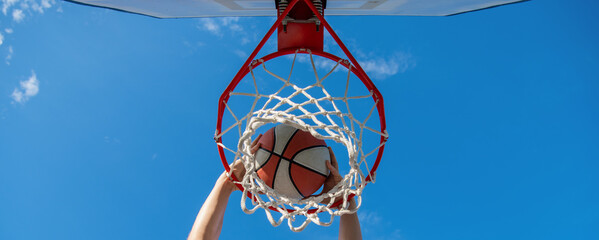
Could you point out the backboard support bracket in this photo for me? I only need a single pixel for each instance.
(300, 28)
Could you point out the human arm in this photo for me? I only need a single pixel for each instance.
(209, 222)
(349, 225)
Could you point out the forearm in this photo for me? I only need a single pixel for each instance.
(349, 225)
(209, 221)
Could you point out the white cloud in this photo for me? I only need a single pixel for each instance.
(374, 226)
(369, 218)
(24, 6)
(327, 64)
(245, 40)
(28, 89)
(111, 140)
(384, 67)
(18, 15)
(47, 3)
(231, 23)
(380, 67)
(6, 4)
(241, 54)
(42, 5)
(37, 7)
(17, 95)
(9, 55)
(210, 25)
(21, 8)
(219, 26)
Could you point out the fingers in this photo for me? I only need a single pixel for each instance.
(237, 169)
(255, 148)
(333, 158)
(256, 140)
(333, 169)
(330, 166)
(256, 145)
(237, 164)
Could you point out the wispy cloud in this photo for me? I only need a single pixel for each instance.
(209, 25)
(6, 4)
(9, 55)
(18, 15)
(383, 67)
(3, 113)
(369, 217)
(33, 5)
(375, 227)
(218, 26)
(229, 27)
(111, 140)
(28, 89)
(377, 67)
(18, 9)
(245, 40)
(42, 5)
(241, 54)
(231, 23)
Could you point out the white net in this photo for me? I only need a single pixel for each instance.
(308, 106)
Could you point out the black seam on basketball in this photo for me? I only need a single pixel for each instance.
(287, 144)
(281, 158)
(274, 176)
(267, 159)
(270, 152)
(306, 148)
(304, 166)
(274, 153)
(309, 169)
(274, 144)
(274, 134)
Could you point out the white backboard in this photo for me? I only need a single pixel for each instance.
(222, 8)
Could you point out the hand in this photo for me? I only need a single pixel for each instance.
(334, 177)
(237, 168)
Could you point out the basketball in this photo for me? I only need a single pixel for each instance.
(292, 161)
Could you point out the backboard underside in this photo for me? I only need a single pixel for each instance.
(230, 8)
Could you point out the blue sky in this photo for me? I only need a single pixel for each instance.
(107, 119)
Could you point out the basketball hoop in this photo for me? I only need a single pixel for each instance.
(299, 24)
(327, 117)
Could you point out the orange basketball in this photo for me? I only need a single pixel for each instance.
(292, 161)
